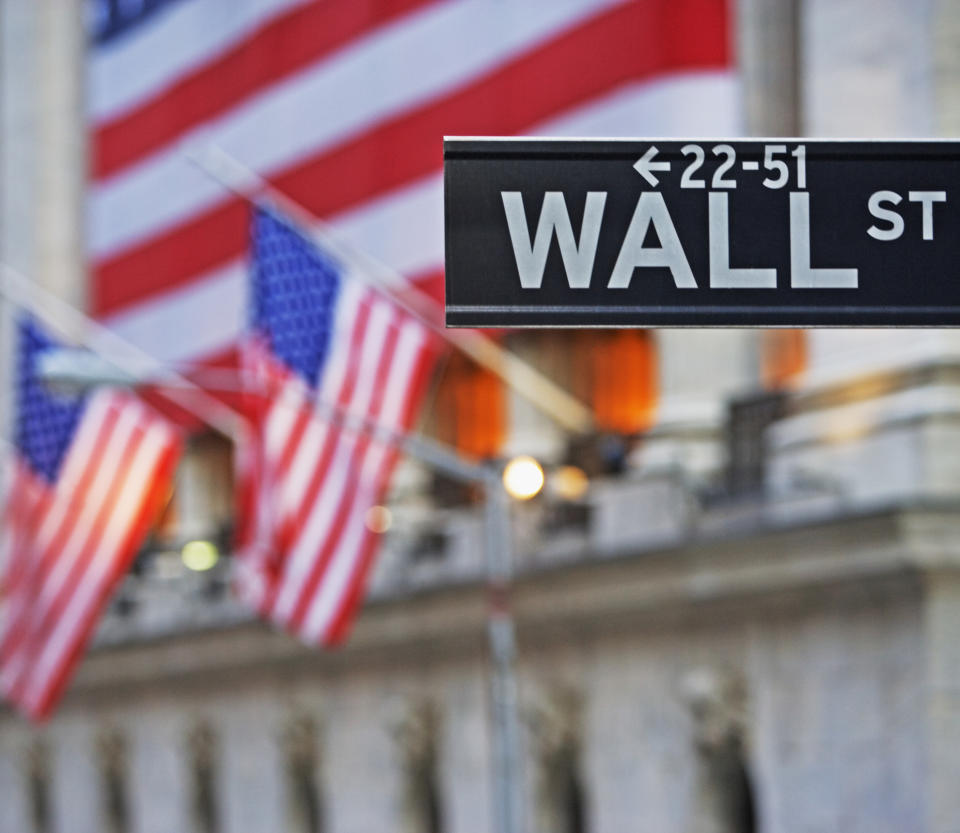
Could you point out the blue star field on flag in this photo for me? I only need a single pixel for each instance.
(295, 291)
(46, 422)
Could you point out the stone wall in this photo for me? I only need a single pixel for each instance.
(833, 724)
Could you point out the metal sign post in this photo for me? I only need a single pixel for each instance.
(778, 232)
(508, 771)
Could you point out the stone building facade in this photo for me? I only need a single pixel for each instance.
(755, 625)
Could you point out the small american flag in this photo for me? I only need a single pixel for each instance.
(88, 477)
(319, 339)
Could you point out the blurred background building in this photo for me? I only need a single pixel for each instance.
(737, 599)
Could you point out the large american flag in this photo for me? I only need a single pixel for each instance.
(88, 476)
(342, 105)
(319, 341)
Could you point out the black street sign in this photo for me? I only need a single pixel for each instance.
(636, 233)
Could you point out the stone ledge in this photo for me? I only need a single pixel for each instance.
(732, 572)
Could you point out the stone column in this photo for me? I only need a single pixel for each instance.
(946, 68)
(42, 157)
(42, 143)
(16, 812)
(61, 149)
(941, 698)
(768, 51)
(18, 37)
(76, 781)
(160, 774)
(250, 769)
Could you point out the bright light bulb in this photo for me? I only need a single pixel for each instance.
(570, 482)
(199, 556)
(523, 477)
(378, 519)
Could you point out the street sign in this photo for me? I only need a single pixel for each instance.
(636, 233)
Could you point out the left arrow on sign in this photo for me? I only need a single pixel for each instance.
(645, 166)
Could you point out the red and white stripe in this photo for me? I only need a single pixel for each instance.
(69, 544)
(24, 496)
(319, 478)
(343, 105)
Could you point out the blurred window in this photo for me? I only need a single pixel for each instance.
(561, 795)
(200, 505)
(722, 794)
(112, 749)
(783, 357)
(470, 408)
(748, 419)
(203, 499)
(418, 740)
(38, 784)
(567, 793)
(616, 373)
(724, 791)
(202, 744)
(300, 754)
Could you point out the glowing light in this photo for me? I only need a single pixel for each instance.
(569, 482)
(523, 478)
(199, 556)
(378, 519)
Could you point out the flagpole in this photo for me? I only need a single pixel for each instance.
(524, 379)
(143, 368)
